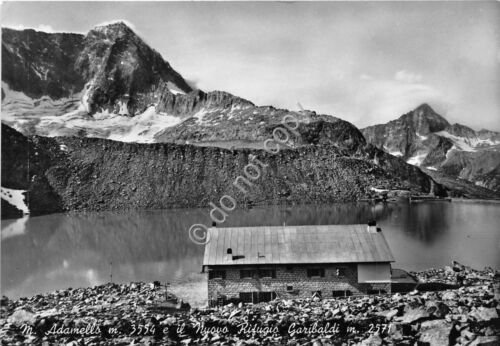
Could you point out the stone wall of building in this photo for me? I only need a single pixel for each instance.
(292, 282)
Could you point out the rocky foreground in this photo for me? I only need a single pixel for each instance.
(123, 314)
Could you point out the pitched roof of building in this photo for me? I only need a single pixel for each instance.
(295, 244)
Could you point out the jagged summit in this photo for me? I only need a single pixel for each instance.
(425, 110)
(424, 119)
(118, 25)
(124, 73)
(113, 30)
(425, 107)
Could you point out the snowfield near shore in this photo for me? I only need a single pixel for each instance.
(16, 198)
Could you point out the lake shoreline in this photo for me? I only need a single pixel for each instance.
(398, 199)
(118, 313)
(474, 200)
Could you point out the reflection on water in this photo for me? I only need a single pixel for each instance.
(44, 253)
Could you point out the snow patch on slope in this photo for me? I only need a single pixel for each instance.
(84, 106)
(378, 190)
(422, 138)
(16, 198)
(397, 153)
(123, 108)
(174, 89)
(417, 159)
(467, 144)
(16, 103)
(200, 115)
(69, 117)
(143, 127)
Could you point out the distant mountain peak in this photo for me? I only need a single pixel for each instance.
(115, 25)
(426, 110)
(424, 138)
(425, 119)
(113, 30)
(425, 107)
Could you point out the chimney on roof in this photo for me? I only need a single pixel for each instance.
(372, 226)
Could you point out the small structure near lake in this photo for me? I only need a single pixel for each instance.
(256, 264)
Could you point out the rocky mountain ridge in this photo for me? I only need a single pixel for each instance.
(41, 64)
(68, 173)
(426, 139)
(123, 90)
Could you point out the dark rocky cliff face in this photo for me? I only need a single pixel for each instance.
(41, 64)
(121, 67)
(24, 164)
(189, 104)
(97, 174)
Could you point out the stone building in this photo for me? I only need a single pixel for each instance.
(254, 264)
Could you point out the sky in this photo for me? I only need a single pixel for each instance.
(365, 62)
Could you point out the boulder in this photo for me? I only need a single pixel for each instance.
(395, 331)
(437, 309)
(373, 340)
(435, 333)
(388, 314)
(413, 315)
(485, 341)
(449, 295)
(484, 314)
(22, 316)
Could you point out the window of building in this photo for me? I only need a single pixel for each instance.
(257, 297)
(266, 296)
(289, 268)
(267, 273)
(316, 272)
(342, 293)
(289, 288)
(217, 274)
(247, 274)
(341, 271)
